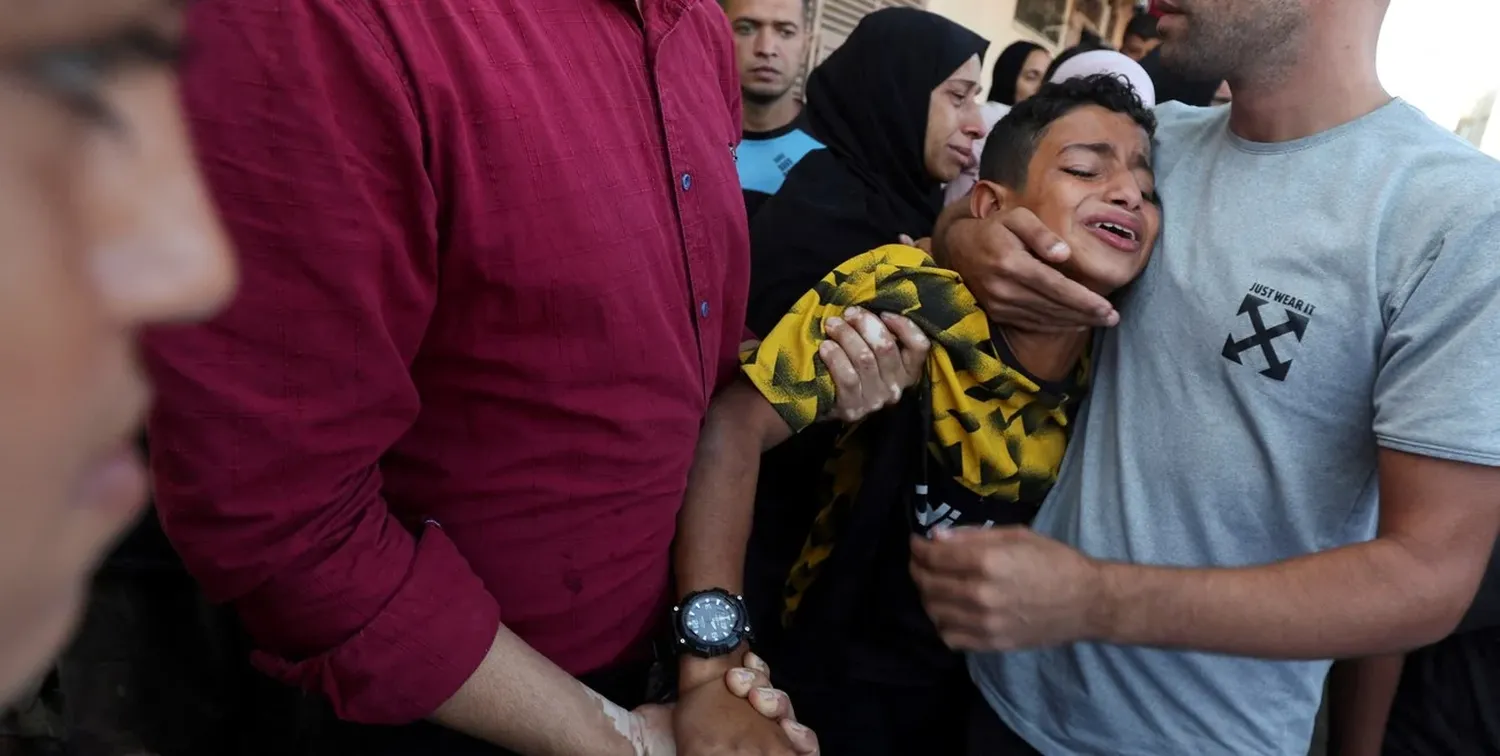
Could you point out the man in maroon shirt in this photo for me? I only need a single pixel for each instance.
(495, 263)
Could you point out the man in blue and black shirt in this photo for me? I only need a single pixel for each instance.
(770, 38)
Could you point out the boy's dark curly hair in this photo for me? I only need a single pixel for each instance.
(1012, 143)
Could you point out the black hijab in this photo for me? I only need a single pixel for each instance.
(868, 105)
(1008, 70)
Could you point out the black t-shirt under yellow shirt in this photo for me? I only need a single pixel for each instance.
(997, 434)
(1448, 703)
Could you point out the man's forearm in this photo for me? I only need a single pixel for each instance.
(714, 525)
(1362, 600)
(519, 700)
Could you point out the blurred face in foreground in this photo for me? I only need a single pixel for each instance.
(104, 229)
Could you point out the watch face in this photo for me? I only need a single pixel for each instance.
(711, 618)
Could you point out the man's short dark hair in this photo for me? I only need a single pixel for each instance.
(1013, 141)
(1143, 25)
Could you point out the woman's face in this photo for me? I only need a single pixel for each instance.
(953, 123)
(1032, 71)
(104, 229)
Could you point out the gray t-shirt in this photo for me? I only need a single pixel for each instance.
(1309, 302)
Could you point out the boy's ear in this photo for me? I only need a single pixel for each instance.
(989, 197)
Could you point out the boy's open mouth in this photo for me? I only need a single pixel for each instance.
(1117, 230)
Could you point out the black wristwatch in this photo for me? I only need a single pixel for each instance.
(711, 623)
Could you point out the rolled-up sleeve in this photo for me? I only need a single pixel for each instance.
(271, 421)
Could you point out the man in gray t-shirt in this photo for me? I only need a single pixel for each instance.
(1292, 446)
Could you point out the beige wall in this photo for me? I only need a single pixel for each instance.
(992, 19)
(995, 21)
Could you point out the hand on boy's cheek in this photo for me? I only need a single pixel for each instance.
(1006, 259)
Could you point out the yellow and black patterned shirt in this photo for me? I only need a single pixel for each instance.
(995, 431)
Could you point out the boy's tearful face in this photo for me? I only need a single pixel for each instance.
(1090, 181)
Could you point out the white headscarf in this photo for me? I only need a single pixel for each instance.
(1109, 62)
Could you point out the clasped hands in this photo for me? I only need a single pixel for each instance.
(723, 710)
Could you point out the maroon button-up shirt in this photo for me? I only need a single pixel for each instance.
(494, 264)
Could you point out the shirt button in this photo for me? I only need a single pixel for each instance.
(687, 181)
(703, 308)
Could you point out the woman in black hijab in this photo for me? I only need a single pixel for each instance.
(886, 160)
(1018, 72)
(896, 107)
